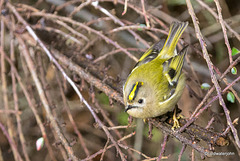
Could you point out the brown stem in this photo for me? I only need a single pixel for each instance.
(210, 66)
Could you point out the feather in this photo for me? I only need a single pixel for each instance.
(175, 33)
(151, 53)
(172, 68)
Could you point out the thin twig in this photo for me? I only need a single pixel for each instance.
(233, 90)
(106, 55)
(16, 104)
(77, 9)
(210, 66)
(105, 38)
(67, 108)
(177, 135)
(87, 46)
(11, 111)
(136, 151)
(4, 87)
(219, 9)
(125, 7)
(216, 17)
(100, 58)
(94, 21)
(43, 97)
(210, 123)
(192, 155)
(109, 121)
(110, 146)
(210, 91)
(140, 12)
(121, 127)
(104, 150)
(137, 27)
(67, 36)
(72, 30)
(1, 156)
(144, 12)
(88, 77)
(64, 5)
(11, 142)
(194, 117)
(163, 147)
(116, 20)
(50, 101)
(33, 108)
(181, 152)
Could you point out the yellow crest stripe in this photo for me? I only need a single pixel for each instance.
(134, 90)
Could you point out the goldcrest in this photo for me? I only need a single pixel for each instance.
(156, 83)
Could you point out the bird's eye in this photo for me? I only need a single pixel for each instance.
(140, 101)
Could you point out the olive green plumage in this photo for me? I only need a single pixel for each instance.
(156, 83)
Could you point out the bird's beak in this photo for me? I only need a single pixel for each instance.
(128, 108)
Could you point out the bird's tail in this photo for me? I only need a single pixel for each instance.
(175, 32)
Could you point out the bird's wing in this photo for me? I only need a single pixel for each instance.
(151, 53)
(172, 68)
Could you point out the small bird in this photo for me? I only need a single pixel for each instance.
(156, 83)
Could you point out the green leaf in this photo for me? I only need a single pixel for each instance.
(235, 51)
(141, 25)
(205, 86)
(231, 97)
(234, 70)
